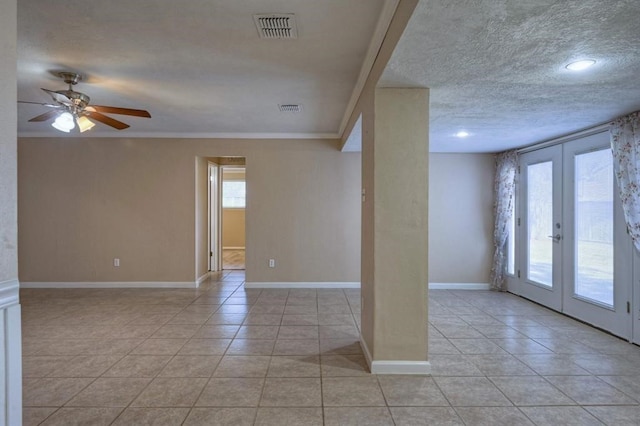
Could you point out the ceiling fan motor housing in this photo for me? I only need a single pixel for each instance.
(78, 99)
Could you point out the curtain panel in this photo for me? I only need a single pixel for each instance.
(625, 145)
(504, 198)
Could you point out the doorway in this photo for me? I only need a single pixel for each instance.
(226, 213)
(233, 219)
(574, 255)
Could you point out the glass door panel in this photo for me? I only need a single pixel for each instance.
(593, 244)
(540, 223)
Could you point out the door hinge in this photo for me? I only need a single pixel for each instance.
(628, 307)
(518, 221)
(210, 254)
(518, 273)
(518, 169)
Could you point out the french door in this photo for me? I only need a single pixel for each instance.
(541, 226)
(576, 257)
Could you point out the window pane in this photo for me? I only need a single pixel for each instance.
(594, 226)
(233, 193)
(540, 223)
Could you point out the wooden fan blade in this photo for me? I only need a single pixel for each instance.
(46, 116)
(106, 120)
(122, 111)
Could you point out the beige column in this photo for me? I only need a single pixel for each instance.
(395, 173)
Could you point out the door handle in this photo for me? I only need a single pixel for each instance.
(556, 238)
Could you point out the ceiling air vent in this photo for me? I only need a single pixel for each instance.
(290, 108)
(282, 25)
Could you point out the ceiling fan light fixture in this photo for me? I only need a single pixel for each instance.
(580, 65)
(64, 122)
(84, 123)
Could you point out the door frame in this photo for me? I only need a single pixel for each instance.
(635, 290)
(614, 319)
(548, 296)
(627, 259)
(214, 204)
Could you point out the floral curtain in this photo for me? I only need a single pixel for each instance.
(504, 197)
(625, 145)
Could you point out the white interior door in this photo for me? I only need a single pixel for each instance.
(215, 263)
(598, 262)
(541, 229)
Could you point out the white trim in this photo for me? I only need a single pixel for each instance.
(233, 248)
(394, 367)
(9, 293)
(344, 284)
(590, 131)
(163, 135)
(202, 279)
(459, 286)
(11, 317)
(106, 284)
(382, 26)
(365, 350)
(401, 367)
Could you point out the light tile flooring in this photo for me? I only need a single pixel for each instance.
(223, 355)
(233, 259)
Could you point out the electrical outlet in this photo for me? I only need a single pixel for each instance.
(272, 263)
(116, 262)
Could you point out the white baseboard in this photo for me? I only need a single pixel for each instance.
(232, 248)
(401, 367)
(106, 284)
(11, 373)
(459, 286)
(288, 284)
(356, 285)
(9, 293)
(365, 350)
(202, 279)
(394, 367)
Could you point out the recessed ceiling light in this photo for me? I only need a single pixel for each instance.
(462, 134)
(580, 65)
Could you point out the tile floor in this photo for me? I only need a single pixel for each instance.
(233, 259)
(223, 355)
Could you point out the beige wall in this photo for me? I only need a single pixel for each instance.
(202, 216)
(460, 217)
(233, 228)
(8, 154)
(83, 202)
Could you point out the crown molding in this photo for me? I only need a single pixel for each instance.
(164, 135)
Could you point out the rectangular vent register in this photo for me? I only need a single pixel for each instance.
(276, 26)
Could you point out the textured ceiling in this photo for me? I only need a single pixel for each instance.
(198, 66)
(496, 68)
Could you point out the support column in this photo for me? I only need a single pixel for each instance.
(395, 177)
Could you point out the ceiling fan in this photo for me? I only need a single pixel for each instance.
(71, 108)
